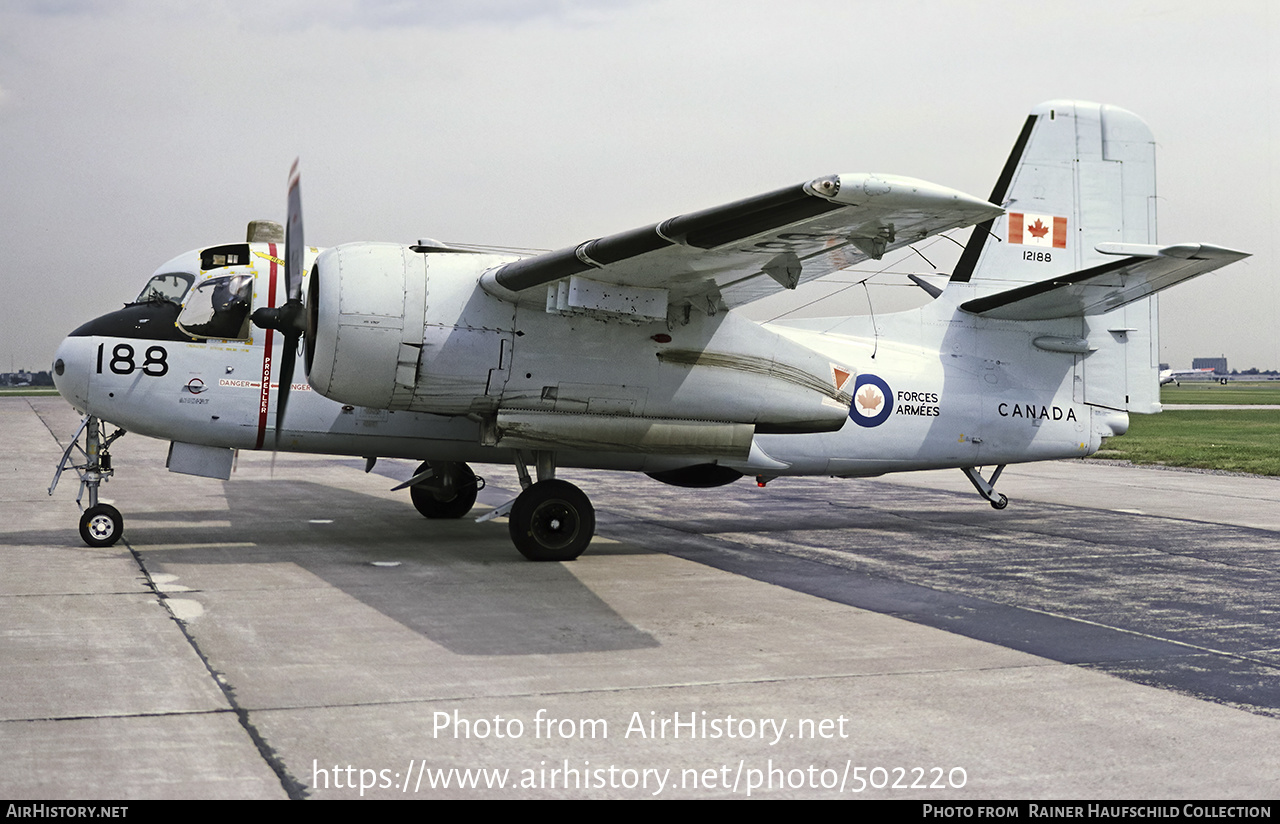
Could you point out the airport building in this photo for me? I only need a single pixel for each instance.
(1219, 365)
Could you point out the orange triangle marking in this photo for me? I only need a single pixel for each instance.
(841, 376)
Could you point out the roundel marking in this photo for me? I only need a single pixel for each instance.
(872, 401)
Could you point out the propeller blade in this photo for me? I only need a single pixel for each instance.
(288, 357)
(293, 242)
(290, 318)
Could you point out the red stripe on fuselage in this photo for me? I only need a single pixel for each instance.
(264, 399)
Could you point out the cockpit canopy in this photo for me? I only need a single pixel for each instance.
(219, 308)
(210, 292)
(171, 287)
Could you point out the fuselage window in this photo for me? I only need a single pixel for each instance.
(219, 308)
(171, 287)
(236, 254)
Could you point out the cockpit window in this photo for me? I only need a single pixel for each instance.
(219, 308)
(171, 287)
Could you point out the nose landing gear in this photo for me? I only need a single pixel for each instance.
(101, 524)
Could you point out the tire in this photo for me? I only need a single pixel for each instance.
(101, 525)
(1000, 502)
(552, 521)
(425, 501)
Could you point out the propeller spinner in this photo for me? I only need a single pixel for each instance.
(289, 319)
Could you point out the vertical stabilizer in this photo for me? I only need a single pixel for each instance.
(1080, 175)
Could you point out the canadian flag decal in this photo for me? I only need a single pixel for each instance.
(1038, 230)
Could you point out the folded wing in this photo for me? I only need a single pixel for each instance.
(737, 253)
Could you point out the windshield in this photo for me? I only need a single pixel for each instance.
(219, 308)
(171, 287)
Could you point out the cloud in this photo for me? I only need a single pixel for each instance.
(411, 13)
(374, 15)
(58, 8)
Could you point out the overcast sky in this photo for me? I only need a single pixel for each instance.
(133, 131)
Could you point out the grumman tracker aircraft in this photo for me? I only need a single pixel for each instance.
(624, 352)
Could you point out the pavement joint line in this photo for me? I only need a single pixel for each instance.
(1057, 615)
(1188, 470)
(952, 529)
(1076, 619)
(109, 716)
(1134, 552)
(1147, 635)
(675, 685)
(1173, 518)
(70, 594)
(292, 787)
(39, 417)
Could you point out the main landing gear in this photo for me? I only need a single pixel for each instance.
(101, 524)
(551, 519)
(987, 489)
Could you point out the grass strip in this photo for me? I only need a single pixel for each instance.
(1233, 440)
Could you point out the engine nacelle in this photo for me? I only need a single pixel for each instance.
(391, 328)
(394, 328)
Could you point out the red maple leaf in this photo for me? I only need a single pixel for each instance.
(868, 399)
(1038, 229)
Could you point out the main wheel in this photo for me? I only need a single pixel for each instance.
(429, 502)
(552, 521)
(101, 525)
(1000, 502)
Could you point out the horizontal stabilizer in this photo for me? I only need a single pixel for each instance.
(1143, 271)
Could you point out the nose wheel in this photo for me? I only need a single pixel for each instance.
(101, 524)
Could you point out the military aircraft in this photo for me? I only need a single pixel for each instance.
(624, 352)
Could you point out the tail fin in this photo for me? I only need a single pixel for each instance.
(1080, 174)
(1075, 243)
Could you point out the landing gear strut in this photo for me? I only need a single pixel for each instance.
(550, 520)
(101, 524)
(987, 489)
